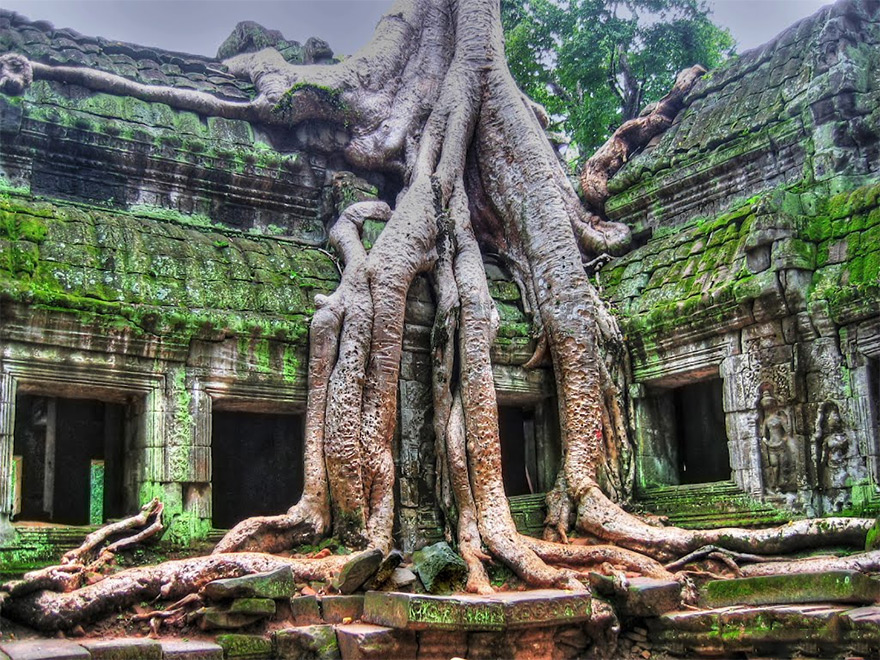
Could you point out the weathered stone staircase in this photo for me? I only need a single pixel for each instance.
(712, 505)
(827, 615)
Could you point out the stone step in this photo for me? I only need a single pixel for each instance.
(824, 587)
(774, 630)
(711, 505)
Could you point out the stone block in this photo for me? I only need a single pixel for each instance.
(305, 610)
(500, 611)
(274, 584)
(43, 649)
(745, 628)
(215, 618)
(360, 568)
(191, 650)
(246, 647)
(439, 568)
(307, 643)
(361, 641)
(335, 609)
(255, 606)
(123, 648)
(861, 628)
(642, 596)
(825, 587)
(442, 644)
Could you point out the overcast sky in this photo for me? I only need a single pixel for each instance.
(200, 26)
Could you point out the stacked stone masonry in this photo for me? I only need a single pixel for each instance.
(754, 288)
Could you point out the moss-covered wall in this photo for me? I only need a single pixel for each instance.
(803, 107)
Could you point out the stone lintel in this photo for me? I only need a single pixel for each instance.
(497, 612)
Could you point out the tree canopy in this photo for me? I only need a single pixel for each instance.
(596, 63)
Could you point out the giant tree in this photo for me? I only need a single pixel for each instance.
(431, 98)
(595, 64)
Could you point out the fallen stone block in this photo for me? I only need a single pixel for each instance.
(402, 579)
(274, 584)
(123, 648)
(191, 650)
(215, 618)
(385, 572)
(358, 570)
(361, 641)
(642, 597)
(336, 609)
(307, 643)
(43, 649)
(439, 568)
(824, 587)
(246, 647)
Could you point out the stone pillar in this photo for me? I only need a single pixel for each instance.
(7, 430)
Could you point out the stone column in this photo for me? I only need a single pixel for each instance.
(7, 430)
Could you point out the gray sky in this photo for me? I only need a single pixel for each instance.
(200, 26)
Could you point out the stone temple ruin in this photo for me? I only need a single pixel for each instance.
(158, 270)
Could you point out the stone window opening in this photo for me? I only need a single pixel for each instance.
(69, 457)
(257, 464)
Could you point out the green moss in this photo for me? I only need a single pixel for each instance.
(326, 95)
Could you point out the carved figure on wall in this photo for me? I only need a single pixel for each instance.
(777, 444)
(832, 446)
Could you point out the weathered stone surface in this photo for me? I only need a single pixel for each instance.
(439, 567)
(738, 629)
(499, 611)
(274, 584)
(861, 629)
(442, 644)
(335, 609)
(356, 572)
(215, 618)
(361, 641)
(385, 572)
(641, 597)
(191, 650)
(307, 643)
(826, 587)
(246, 647)
(402, 579)
(123, 648)
(255, 606)
(43, 649)
(305, 610)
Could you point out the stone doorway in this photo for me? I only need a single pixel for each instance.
(703, 456)
(69, 457)
(257, 464)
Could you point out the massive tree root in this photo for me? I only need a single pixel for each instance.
(431, 100)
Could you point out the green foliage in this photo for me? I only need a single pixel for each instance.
(596, 63)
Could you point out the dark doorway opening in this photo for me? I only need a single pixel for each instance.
(703, 455)
(257, 465)
(69, 454)
(519, 462)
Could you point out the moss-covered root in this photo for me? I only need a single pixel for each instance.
(867, 562)
(598, 516)
(50, 611)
